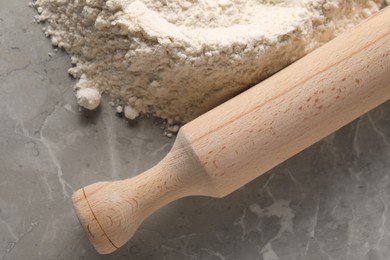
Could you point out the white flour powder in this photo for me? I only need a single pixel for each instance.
(176, 58)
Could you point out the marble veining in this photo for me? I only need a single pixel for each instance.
(329, 202)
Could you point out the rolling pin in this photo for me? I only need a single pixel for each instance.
(236, 142)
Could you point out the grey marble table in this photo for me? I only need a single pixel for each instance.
(328, 202)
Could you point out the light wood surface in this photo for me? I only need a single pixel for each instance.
(246, 136)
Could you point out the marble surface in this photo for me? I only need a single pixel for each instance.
(330, 202)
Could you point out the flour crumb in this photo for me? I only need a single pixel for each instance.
(170, 130)
(173, 129)
(168, 134)
(119, 109)
(88, 98)
(130, 113)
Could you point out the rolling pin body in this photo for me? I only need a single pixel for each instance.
(239, 140)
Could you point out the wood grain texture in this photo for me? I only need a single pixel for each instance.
(246, 136)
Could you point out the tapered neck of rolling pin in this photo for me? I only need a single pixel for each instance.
(178, 175)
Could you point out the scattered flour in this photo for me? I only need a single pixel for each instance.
(178, 58)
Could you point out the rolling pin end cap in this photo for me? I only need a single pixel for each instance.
(92, 227)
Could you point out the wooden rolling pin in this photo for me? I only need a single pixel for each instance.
(241, 139)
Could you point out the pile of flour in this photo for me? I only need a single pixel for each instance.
(178, 58)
